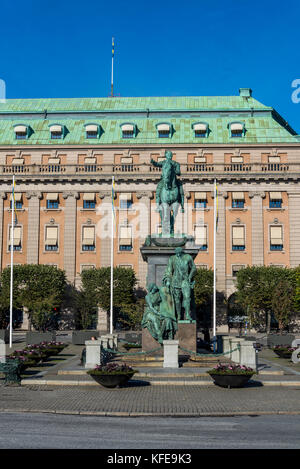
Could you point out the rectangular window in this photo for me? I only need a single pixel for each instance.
(201, 237)
(91, 134)
(127, 133)
(200, 200)
(125, 239)
(18, 201)
(89, 204)
(21, 135)
(276, 238)
(275, 200)
(163, 133)
(238, 200)
(51, 241)
(56, 135)
(17, 245)
(52, 204)
(125, 201)
(200, 133)
(89, 200)
(88, 238)
(238, 238)
(52, 200)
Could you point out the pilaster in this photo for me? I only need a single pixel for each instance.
(257, 228)
(2, 197)
(294, 225)
(70, 234)
(33, 226)
(144, 199)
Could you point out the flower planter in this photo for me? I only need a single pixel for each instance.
(112, 380)
(231, 380)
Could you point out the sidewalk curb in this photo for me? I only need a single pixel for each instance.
(151, 414)
(45, 382)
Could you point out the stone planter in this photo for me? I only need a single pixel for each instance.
(79, 337)
(231, 380)
(4, 335)
(112, 380)
(38, 337)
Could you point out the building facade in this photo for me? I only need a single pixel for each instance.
(64, 152)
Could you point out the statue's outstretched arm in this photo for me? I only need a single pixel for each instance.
(157, 164)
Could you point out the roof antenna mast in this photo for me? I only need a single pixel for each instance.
(112, 68)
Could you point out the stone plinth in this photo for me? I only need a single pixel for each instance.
(171, 353)
(157, 250)
(148, 343)
(248, 356)
(187, 335)
(93, 353)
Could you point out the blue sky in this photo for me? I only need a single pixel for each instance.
(162, 48)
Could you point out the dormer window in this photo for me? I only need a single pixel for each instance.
(92, 131)
(164, 130)
(21, 132)
(56, 131)
(128, 130)
(200, 129)
(237, 129)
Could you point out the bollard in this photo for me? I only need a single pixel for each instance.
(93, 353)
(171, 353)
(248, 355)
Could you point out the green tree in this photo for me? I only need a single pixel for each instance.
(203, 289)
(256, 287)
(283, 302)
(130, 315)
(96, 285)
(39, 288)
(85, 309)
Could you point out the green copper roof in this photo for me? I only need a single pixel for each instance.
(130, 104)
(262, 123)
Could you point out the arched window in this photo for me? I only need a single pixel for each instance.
(200, 129)
(21, 131)
(128, 130)
(237, 129)
(164, 130)
(92, 131)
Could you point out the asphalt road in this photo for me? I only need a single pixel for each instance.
(49, 431)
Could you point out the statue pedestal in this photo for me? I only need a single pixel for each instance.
(157, 250)
(148, 344)
(187, 335)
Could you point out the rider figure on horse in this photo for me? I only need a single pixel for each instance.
(167, 166)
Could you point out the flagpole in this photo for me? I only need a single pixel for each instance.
(215, 244)
(11, 262)
(112, 68)
(112, 258)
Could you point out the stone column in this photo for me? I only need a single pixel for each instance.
(70, 235)
(257, 228)
(33, 232)
(144, 224)
(2, 197)
(294, 222)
